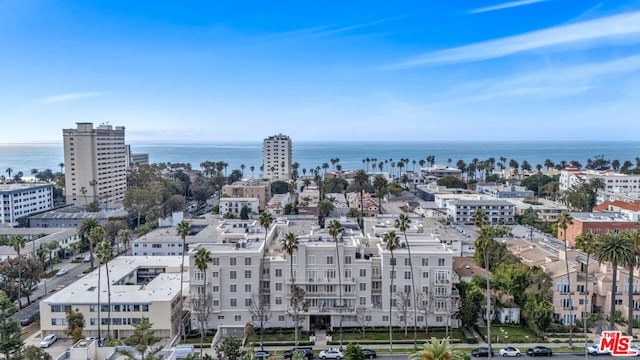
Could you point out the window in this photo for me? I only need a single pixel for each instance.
(278, 300)
(278, 272)
(407, 261)
(392, 288)
(385, 318)
(441, 305)
(407, 275)
(440, 261)
(347, 260)
(232, 288)
(145, 308)
(215, 288)
(215, 274)
(237, 318)
(407, 289)
(247, 274)
(439, 318)
(232, 261)
(347, 273)
(247, 287)
(247, 261)
(393, 261)
(363, 286)
(247, 302)
(278, 286)
(363, 300)
(215, 261)
(232, 274)
(220, 317)
(329, 260)
(281, 318)
(312, 259)
(233, 302)
(425, 274)
(363, 272)
(216, 302)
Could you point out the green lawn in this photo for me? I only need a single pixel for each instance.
(509, 334)
(283, 336)
(397, 335)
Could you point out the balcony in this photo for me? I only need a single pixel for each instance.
(321, 294)
(332, 309)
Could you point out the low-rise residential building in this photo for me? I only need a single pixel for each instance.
(140, 287)
(20, 200)
(72, 217)
(259, 189)
(340, 206)
(36, 238)
(277, 204)
(630, 209)
(596, 223)
(501, 191)
(547, 210)
(368, 204)
(497, 211)
(614, 182)
(429, 191)
(441, 171)
(234, 205)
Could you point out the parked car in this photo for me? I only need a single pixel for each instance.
(62, 272)
(262, 355)
(48, 341)
(308, 352)
(25, 321)
(87, 259)
(594, 350)
(369, 353)
(481, 352)
(509, 351)
(331, 354)
(539, 351)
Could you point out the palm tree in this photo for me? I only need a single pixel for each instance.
(586, 243)
(436, 349)
(184, 228)
(51, 247)
(335, 228)
(265, 221)
(402, 223)
(202, 259)
(564, 220)
(9, 171)
(125, 235)
(290, 244)
(34, 172)
(61, 165)
(480, 218)
(84, 231)
(392, 242)
(252, 168)
(634, 239)
(98, 235)
(617, 250)
(361, 179)
(104, 253)
(242, 171)
(18, 242)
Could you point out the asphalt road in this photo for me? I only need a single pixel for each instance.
(51, 285)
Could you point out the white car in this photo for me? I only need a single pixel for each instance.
(509, 351)
(62, 272)
(48, 341)
(331, 354)
(595, 350)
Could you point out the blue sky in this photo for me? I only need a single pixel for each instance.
(322, 70)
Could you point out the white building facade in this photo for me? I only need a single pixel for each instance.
(20, 200)
(614, 182)
(499, 212)
(95, 162)
(277, 159)
(235, 205)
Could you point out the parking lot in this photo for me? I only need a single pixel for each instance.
(54, 350)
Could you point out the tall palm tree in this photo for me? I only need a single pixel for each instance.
(290, 244)
(586, 243)
(184, 228)
(18, 242)
(392, 242)
(436, 349)
(84, 231)
(61, 165)
(564, 220)
(104, 253)
(617, 250)
(202, 259)
(265, 221)
(125, 236)
(634, 239)
(98, 235)
(402, 223)
(361, 179)
(252, 168)
(335, 228)
(9, 171)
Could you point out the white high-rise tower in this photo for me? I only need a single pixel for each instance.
(276, 155)
(95, 163)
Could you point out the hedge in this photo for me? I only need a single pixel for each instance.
(383, 342)
(468, 335)
(284, 343)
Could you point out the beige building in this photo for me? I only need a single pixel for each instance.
(258, 189)
(95, 162)
(276, 157)
(140, 287)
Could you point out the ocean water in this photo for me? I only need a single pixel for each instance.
(24, 157)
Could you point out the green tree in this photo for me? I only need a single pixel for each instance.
(244, 212)
(290, 244)
(361, 179)
(75, 325)
(229, 349)
(84, 231)
(530, 218)
(452, 182)
(540, 312)
(143, 336)
(279, 187)
(124, 237)
(31, 352)
(335, 229)
(202, 260)
(97, 236)
(564, 220)
(587, 244)
(402, 223)
(391, 242)
(324, 209)
(265, 221)
(353, 352)
(20, 274)
(471, 295)
(104, 253)
(437, 349)
(184, 228)
(18, 242)
(10, 341)
(615, 249)
(380, 187)
(633, 237)
(480, 218)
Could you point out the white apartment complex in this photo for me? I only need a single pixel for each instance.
(20, 200)
(95, 163)
(499, 212)
(235, 205)
(140, 287)
(232, 280)
(36, 238)
(276, 155)
(614, 182)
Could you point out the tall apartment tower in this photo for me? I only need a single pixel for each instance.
(95, 163)
(276, 154)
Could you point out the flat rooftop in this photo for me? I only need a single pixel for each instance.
(601, 217)
(164, 287)
(22, 186)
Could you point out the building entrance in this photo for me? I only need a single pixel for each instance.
(320, 322)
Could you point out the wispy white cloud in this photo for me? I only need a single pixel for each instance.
(503, 6)
(623, 26)
(54, 99)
